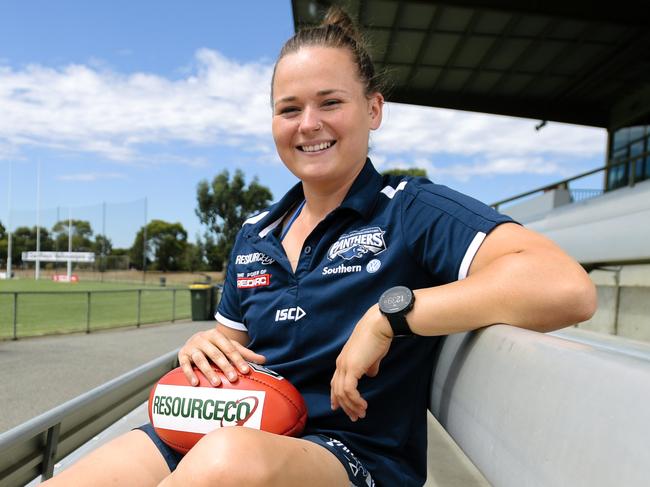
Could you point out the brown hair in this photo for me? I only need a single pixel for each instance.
(339, 31)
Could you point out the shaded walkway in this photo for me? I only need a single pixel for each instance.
(37, 374)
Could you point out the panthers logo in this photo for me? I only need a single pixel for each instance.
(358, 243)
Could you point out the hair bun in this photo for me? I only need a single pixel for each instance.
(338, 17)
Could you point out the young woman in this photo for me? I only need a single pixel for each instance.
(330, 248)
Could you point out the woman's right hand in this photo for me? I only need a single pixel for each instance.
(221, 346)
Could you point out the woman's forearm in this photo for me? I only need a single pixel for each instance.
(539, 288)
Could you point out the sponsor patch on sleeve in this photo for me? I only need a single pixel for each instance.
(252, 282)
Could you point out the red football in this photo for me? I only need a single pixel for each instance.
(181, 414)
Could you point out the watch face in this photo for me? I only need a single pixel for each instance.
(395, 300)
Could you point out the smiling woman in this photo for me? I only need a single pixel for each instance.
(336, 251)
(322, 117)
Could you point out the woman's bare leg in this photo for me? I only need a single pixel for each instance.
(242, 456)
(129, 460)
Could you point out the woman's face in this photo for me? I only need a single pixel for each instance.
(321, 116)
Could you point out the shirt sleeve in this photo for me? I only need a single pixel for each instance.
(444, 229)
(229, 311)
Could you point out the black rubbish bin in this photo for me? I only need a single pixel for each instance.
(201, 301)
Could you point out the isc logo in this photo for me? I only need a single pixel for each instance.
(290, 314)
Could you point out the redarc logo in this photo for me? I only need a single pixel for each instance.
(250, 282)
(254, 257)
(290, 314)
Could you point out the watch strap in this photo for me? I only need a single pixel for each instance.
(399, 325)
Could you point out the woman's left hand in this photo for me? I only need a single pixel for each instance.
(361, 355)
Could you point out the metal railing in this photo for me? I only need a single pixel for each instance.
(28, 313)
(583, 194)
(32, 449)
(580, 194)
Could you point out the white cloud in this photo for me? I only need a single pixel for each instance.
(90, 177)
(434, 139)
(425, 130)
(499, 166)
(91, 109)
(219, 101)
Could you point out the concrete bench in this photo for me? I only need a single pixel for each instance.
(512, 407)
(528, 409)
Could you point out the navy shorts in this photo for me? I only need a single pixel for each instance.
(358, 474)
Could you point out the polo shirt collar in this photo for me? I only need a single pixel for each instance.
(365, 190)
(361, 197)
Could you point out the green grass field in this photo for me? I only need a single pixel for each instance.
(45, 307)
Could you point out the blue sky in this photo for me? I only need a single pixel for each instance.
(122, 100)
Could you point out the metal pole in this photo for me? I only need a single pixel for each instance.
(144, 242)
(69, 244)
(37, 271)
(9, 239)
(632, 176)
(15, 316)
(51, 446)
(102, 268)
(88, 312)
(173, 305)
(139, 306)
(617, 303)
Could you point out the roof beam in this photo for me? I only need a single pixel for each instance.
(492, 50)
(393, 32)
(631, 49)
(476, 15)
(569, 112)
(626, 12)
(525, 54)
(548, 69)
(431, 28)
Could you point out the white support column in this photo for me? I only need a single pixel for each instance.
(37, 269)
(69, 245)
(9, 239)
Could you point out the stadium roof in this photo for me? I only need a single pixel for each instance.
(573, 61)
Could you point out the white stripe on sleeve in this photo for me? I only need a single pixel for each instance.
(230, 323)
(469, 255)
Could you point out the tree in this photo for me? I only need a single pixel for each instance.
(4, 244)
(166, 244)
(193, 258)
(211, 253)
(225, 204)
(81, 233)
(414, 171)
(24, 240)
(102, 245)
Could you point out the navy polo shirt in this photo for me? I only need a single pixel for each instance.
(388, 231)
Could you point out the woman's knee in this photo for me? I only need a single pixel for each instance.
(130, 459)
(229, 456)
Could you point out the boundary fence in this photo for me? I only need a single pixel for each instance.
(132, 276)
(30, 313)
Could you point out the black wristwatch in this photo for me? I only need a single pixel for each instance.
(395, 303)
